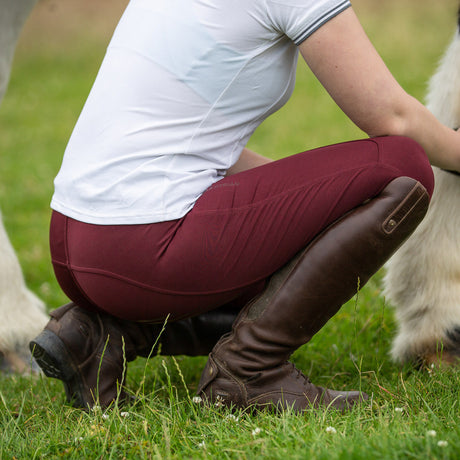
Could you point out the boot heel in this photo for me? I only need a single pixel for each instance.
(52, 356)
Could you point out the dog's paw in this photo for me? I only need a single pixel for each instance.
(439, 360)
(443, 355)
(12, 362)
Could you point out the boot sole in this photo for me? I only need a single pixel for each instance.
(52, 356)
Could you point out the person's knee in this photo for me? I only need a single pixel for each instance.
(409, 158)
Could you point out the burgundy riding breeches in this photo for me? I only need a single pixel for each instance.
(240, 231)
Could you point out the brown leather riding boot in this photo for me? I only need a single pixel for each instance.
(89, 351)
(248, 367)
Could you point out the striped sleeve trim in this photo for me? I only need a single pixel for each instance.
(322, 20)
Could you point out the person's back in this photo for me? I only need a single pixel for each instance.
(181, 89)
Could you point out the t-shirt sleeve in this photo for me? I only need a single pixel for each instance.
(298, 19)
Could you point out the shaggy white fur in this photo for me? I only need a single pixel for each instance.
(22, 314)
(423, 278)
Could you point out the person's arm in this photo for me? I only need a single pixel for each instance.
(348, 66)
(248, 160)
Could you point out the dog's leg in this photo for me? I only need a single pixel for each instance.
(22, 313)
(423, 282)
(423, 277)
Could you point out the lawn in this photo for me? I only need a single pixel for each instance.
(412, 414)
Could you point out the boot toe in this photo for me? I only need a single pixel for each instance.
(279, 389)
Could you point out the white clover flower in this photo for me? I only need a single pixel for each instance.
(256, 431)
(431, 433)
(443, 443)
(232, 417)
(202, 445)
(105, 416)
(80, 438)
(399, 409)
(197, 399)
(124, 414)
(219, 401)
(96, 408)
(331, 429)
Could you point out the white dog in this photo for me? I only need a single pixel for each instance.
(22, 314)
(423, 277)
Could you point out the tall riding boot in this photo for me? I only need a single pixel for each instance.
(89, 351)
(249, 367)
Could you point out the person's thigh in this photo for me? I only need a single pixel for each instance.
(240, 231)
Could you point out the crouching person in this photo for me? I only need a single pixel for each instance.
(159, 211)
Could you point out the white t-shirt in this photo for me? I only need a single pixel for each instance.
(182, 87)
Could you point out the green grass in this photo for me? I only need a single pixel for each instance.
(51, 79)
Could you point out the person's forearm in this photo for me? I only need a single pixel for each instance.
(248, 160)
